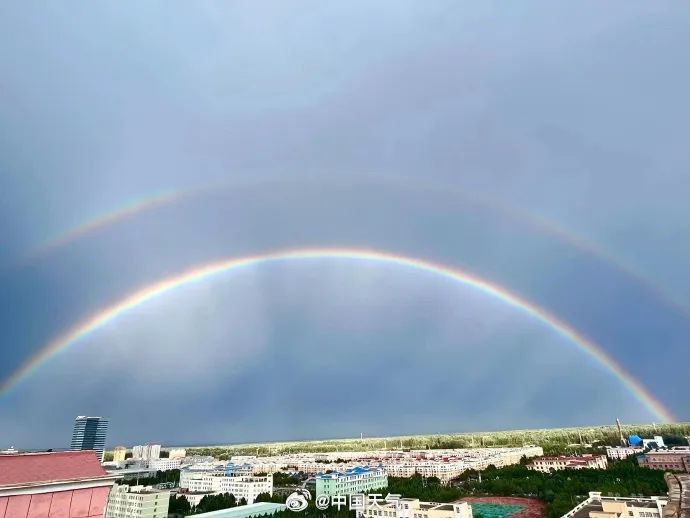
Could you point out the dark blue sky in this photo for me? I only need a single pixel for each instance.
(441, 131)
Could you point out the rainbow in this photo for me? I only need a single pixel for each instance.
(111, 218)
(470, 198)
(199, 273)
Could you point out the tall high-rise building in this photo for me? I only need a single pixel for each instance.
(89, 434)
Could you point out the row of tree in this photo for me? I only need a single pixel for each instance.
(553, 440)
(181, 506)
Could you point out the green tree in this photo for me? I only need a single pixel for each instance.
(179, 505)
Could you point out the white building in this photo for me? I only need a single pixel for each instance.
(622, 452)
(164, 464)
(177, 453)
(137, 502)
(449, 464)
(657, 439)
(413, 508)
(547, 464)
(146, 452)
(355, 480)
(217, 482)
(598, 506)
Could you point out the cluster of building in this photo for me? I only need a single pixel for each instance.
(635, 446)
(653, 454)
(149, 456)
(74, 484)
(548, 464)
(443, 464)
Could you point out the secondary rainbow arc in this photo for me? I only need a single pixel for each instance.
(198, 273)
(532, 220)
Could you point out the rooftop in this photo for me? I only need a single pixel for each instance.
(595, 504)
(244, 511)
(359, 470)
(31, 468)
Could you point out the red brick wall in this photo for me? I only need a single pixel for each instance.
(79, 503)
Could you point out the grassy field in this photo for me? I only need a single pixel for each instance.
(553, 440)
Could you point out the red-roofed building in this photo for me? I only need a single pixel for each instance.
(70, 484)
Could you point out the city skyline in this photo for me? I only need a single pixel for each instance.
(226, 223)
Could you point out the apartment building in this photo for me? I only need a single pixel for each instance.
(547, 464)
(677, 459)
(355, 480)
(449, 464)
(598, 506)
(137, 502)
(445, 471)
(217, 482)
(413, 508)
(622, 452)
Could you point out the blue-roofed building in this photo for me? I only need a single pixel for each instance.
(234, 470)
(360, 479)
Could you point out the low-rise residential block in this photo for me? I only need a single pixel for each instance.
(677, 459)
(547, 464)
(353, 481)
(622, 452)
(218, 482)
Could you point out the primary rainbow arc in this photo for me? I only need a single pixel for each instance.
(198, 273)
